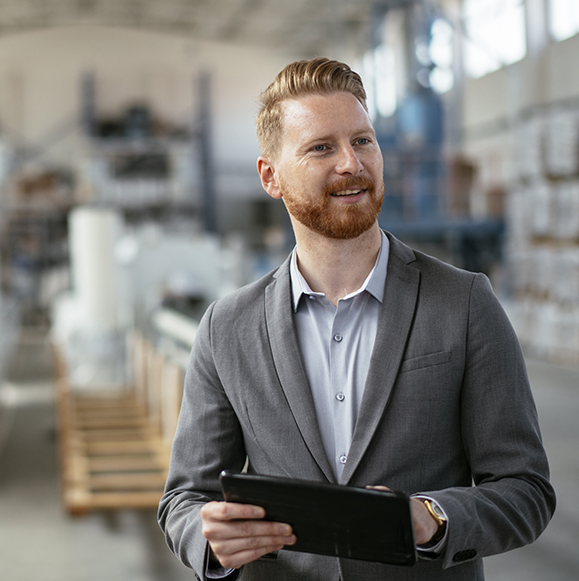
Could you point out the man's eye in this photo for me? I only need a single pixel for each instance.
(363, 141)
(319, 148)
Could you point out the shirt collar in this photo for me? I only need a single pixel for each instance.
(374, 283)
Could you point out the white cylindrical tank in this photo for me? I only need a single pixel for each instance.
(93, 234)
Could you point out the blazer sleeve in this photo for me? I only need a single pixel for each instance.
(208, 438)
(512, 500)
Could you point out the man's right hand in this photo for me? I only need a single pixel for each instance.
(237, 535)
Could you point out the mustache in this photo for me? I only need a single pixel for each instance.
(353, 183)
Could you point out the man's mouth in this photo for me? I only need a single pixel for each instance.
(346, 193)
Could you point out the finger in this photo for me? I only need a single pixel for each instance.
(240, 558)
(228, 547)
(236, 551)
(226, 511)
(240, 529)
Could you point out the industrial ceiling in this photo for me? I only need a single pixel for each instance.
(306, 25)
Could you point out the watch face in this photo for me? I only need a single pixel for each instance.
(437, 511)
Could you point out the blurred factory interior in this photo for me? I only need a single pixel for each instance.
(129, 201)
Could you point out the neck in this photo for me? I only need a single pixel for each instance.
(336, 267)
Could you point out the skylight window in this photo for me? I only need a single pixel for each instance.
(441, 56)
(378, 73)
(494, 34)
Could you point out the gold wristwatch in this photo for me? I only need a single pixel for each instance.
(437, 514)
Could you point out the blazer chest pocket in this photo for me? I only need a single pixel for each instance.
(423, 361)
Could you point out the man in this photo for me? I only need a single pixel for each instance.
(358, 361)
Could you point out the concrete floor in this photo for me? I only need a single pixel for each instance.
(39, 542)
(555, 555)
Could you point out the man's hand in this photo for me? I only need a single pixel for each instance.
(425, 527)
(237, 535)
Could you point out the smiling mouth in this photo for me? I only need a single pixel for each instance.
(343, 193)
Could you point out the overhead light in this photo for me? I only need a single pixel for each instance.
(441, 80)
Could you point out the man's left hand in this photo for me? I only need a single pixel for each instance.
(425, 527)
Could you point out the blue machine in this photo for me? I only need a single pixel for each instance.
(415, 168)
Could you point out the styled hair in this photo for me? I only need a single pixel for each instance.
(320, 76)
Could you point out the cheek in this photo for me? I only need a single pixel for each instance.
(377, 164)
(310, 176)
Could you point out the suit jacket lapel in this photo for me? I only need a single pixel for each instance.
(399, 304)
(289, 365)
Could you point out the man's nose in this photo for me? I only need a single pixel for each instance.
(348, 162)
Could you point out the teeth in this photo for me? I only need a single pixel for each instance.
(346, 192)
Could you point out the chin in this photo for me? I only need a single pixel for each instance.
(344, 229)
(337, 222)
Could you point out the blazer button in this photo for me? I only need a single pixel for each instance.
(464, 555)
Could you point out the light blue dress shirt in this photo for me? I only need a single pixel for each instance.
(336, 345)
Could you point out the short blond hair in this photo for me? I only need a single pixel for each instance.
(320, 76)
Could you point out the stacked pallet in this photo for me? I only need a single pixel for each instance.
(115, 443)
(543, 244)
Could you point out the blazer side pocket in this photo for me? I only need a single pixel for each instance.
(426, 361)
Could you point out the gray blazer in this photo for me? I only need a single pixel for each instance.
(447, 411)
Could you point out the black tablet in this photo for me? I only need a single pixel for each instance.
(330, 519)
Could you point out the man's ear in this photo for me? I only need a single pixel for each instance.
(268, 177)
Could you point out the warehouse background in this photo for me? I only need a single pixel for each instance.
(129, 200)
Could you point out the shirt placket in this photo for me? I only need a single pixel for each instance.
(339, 384)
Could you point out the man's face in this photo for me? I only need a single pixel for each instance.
(329, 168)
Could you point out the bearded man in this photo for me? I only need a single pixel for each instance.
(358, 361)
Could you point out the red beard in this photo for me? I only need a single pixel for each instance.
(339, 221)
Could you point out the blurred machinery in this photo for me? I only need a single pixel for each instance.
(89, 323)
(427, 197)
(136, 164)
(126, 278)
(122, 337)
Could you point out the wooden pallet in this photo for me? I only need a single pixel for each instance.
(114, 446)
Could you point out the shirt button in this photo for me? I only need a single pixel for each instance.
(311, 297)
(343, 459)
(338, 337)
(340, 396)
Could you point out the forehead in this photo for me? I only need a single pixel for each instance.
(317, 116)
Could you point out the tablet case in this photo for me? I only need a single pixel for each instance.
(331, 519)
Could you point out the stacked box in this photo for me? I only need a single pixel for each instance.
(545, 330)
(519, 266)
(545, 269)
(566, 210)
(565, 289)
(530, 137)
(567, 348)
(561, 143)
(543, 236)
(543, 211)
(518, 214)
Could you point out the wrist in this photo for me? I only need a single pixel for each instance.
(213, 561)
(439, 518)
